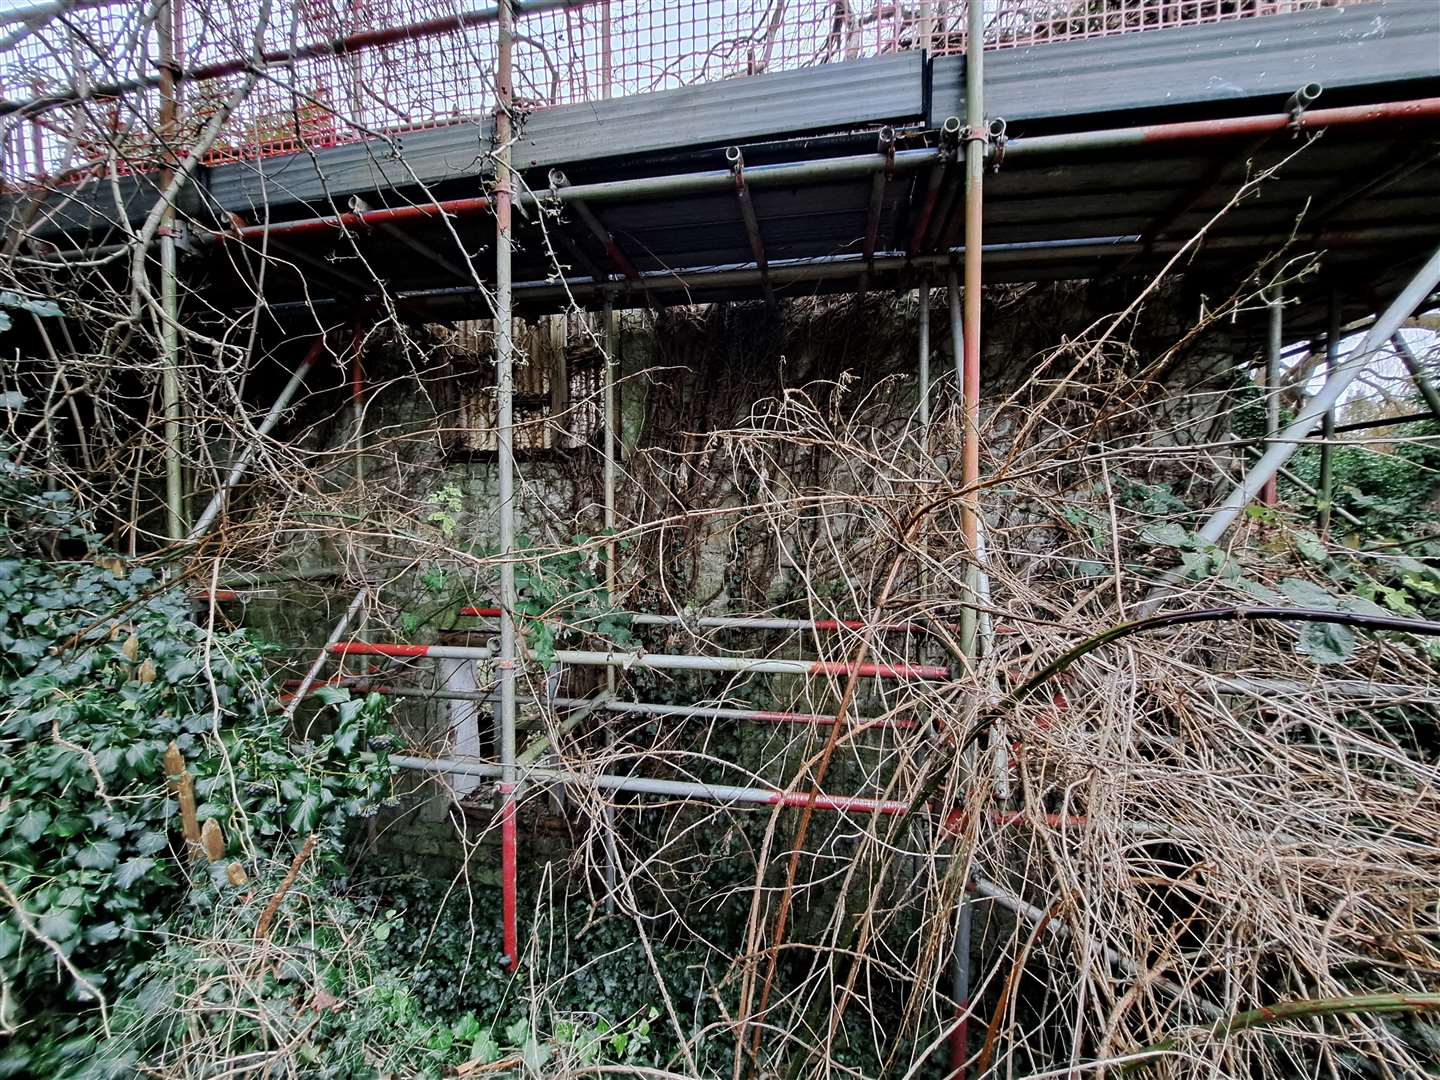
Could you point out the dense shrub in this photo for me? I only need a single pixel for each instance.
(101, 669)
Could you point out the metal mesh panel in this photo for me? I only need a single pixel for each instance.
(1018, 23)
(407, 76)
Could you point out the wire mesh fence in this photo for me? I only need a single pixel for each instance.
(81, 85)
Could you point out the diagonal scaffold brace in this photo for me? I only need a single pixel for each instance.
(1283, 446)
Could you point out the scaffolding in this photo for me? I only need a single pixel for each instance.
(376, 72)
(342, 72)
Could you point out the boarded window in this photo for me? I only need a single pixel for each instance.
(558, 386)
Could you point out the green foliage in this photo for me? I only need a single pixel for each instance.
(1388, 488)
(553, 588)
(447, 503)
(313, 996)
(1334, 580)
(353, 984)
(566, 586)
(45, 309)
(101, 668)
(444, 947)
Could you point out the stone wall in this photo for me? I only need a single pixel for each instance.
(429, 494)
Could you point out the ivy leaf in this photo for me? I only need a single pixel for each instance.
(349, 710)
(58, 924)
(542, 645)
(144, 757)
(535, 1054)
(1326, 643)
(1362, 605)
(132, 870)
(467, 1027)
(107, 761)
(485, 1050)
(98, 855)
(151, 842)
(197, 723)
(32, 825)
(1197, 564)
(303, 817)
(1309, 545)
(9, 940)
(47, 309)
(30, 648)
(180, 669)
(1398, 600)
(1256, 590)
(1308, 594)
(100, 934)
(345, 738)
(1167, 534)
(332, 695)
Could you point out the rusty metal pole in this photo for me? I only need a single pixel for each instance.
(505, 446)
(357, 415)
(977, 135)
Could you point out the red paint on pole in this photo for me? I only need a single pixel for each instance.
(316, 350)
(508, 890)
(361, 648)
(835, 625)
(960, 1041)
(871, 671)
(393, 215)
(621, 260)
(1311, 119)
(480, 613)
(927, 211)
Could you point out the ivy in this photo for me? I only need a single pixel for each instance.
(101, 669)
(359, 983)
(13, 301)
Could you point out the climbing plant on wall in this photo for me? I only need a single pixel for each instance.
(102, 668)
